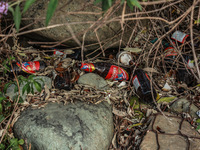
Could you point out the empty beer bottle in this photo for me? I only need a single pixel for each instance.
(28, 67)
(142, 86)
(106, 70)
(63, 81)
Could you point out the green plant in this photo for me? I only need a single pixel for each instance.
(13, 144)
(30, 82)
(14, 8)
(8, 143)
(6, 64)
(106, 4)
(2, 98)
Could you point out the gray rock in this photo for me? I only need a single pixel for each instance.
(65, 127)
(172, 134)
(78, 22)
(10, 91)
(183, 105)
(94, 80)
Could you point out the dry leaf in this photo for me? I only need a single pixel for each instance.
(114, 143)
(47, 92)
(68, 51)
(119, 113)
(166, 99)
(152, 70)
(133, 50)
(1, 132)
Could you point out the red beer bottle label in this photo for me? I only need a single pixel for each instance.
(136, 82)
(170, 51)
(117, 73)
(89, 67)
(58, 53)
(179, 36)
(29, 67)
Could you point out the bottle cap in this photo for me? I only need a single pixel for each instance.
(124, 58)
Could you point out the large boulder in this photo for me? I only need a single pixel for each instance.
(78, 17)
(74, 126)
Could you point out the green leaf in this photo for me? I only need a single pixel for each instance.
(130, 5)
(136, 3)
(20, 100)
(40, 80)
(16, 148)
(1, 108)
(17, 17)
(1, 118)
(2, 147)
(37, 86)
(26, 88)
(198, 121)
(134, 100)
(31, 77)
(6, 86)
(21, 142)
(166, 99)
(122, 2)
(97, 1)
(11, 10)
(8, 104)
(198, 85)
(106, 4)
(14, 142)
(50, 10)
(197, 21)
(27, 5)
(198, 127)
(2, 98)
(22, 78)
(135, 125)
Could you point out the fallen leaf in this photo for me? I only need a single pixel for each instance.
(68, 51)
(119, 113)
(114, 143)
(134, 125)
(166, 99)
(133, 50)
(46, 89)
(152, 70)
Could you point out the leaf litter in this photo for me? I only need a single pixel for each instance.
(129, 114)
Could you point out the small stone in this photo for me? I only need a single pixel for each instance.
(183, 105)
(94, 80)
